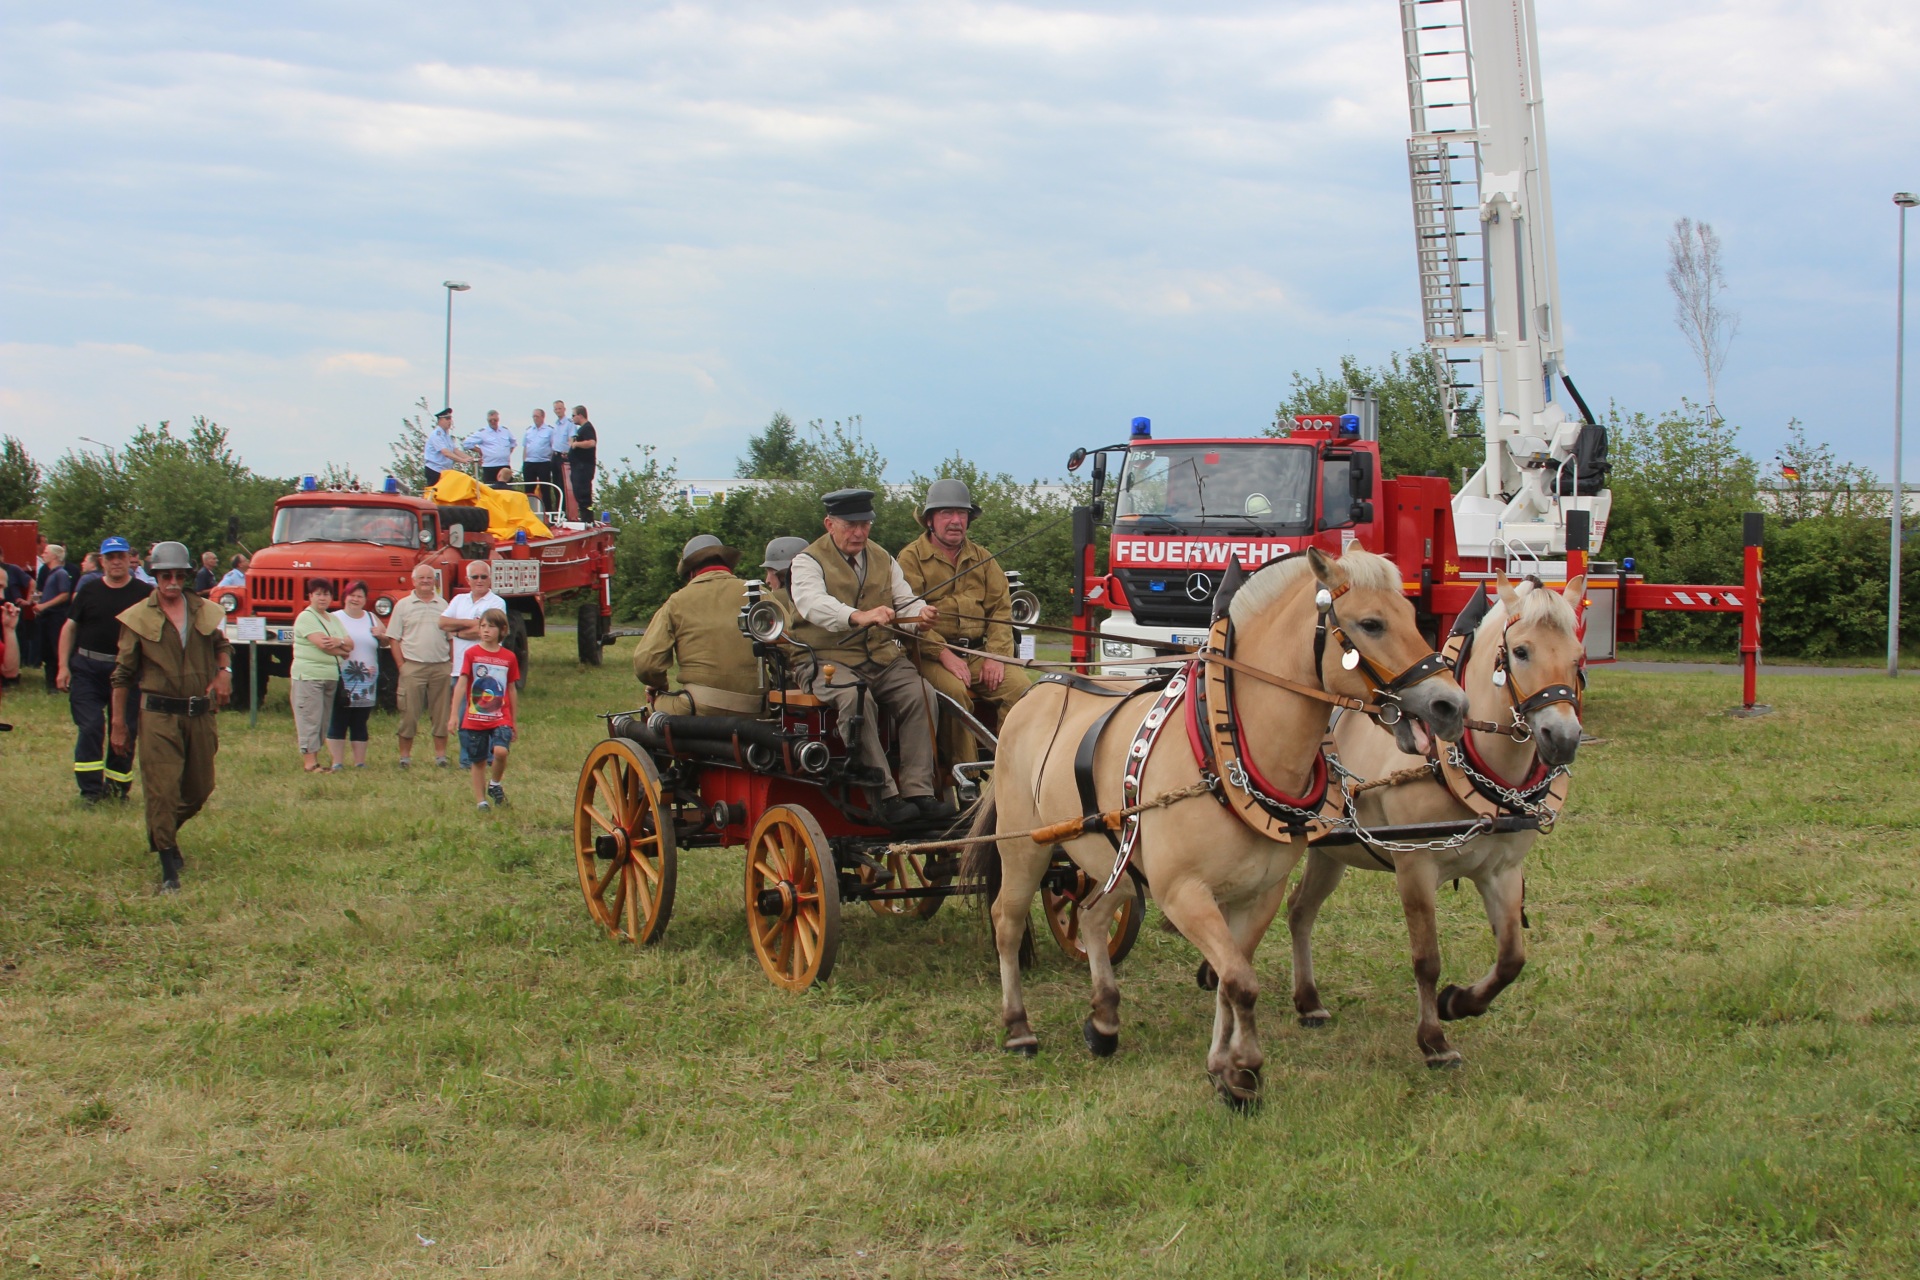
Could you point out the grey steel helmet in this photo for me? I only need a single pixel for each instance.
(781, 551)
(702, 547)
(169, 555)
(948, 495)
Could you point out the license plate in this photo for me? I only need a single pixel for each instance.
(1189, 638)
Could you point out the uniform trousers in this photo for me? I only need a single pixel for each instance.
(97, 767)
(899, 690)
(176, 771)
(957, 745)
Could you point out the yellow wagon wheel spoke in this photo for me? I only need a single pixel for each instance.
(1062, 911)
(792, 898)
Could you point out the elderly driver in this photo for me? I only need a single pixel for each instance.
(849, 594)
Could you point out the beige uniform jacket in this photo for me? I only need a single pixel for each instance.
(152, 657)
(980, 591)
(698, 627)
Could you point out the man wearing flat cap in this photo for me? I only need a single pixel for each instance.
(698, 627)
(849, 595)
(440, 453)
(961, 657)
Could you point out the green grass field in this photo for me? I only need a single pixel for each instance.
(376, 1036)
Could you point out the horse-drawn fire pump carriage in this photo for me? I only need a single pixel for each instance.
(786, 788)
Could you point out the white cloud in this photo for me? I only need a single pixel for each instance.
(369, 363)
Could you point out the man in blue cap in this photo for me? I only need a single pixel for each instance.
(89, 645)
(440, 452)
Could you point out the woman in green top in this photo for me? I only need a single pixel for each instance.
(319, 642)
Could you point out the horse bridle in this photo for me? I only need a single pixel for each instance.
(1385, 691)
(1542, 697)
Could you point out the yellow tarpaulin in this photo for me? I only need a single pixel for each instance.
(507, 511)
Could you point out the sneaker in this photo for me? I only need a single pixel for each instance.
(497, 794)
(484, 807)
(404, 762)
(439, 762)
(339, 768)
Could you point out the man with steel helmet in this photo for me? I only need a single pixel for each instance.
(89, 650)
(175, 654)
(698, 627)
(960, 654)
(777, 563)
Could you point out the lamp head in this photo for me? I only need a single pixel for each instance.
(1905, 199)
(458, 286)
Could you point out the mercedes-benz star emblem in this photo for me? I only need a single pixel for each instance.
(1199, 587)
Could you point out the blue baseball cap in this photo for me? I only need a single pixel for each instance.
(114, 544)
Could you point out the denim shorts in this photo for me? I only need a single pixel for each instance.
(476, 745)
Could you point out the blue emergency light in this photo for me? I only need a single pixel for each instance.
(520, 536)
(392, 485)
(308, 484)
(1349, 424)
(1142, 429)
(1627, 564)
(606, 517)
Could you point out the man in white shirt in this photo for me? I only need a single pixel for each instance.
(439, 452)
(494, 443)
(536, 462)
(850, 595)
(462, 617)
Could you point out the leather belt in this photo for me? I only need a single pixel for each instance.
(97, 656)
(976, 642)
(177, 706)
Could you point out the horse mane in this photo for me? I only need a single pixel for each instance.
(1538, 605)
(1364, 570)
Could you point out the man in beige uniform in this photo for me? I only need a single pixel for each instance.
(960, 655)
(847, 591)
(699, 627)
(423, 657)
(175, 655)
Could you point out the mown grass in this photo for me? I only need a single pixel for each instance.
(374, 1020)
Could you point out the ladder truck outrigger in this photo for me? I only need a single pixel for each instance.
(1490, 308)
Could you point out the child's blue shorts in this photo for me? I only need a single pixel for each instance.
(476, 745)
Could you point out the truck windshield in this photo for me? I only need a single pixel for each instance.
(1252, 486)
(386, 526)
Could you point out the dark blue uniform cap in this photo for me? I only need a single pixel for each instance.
(855, 505)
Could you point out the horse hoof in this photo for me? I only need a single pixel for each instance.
(1099, 1042)
(1206, 978)
(1240, 1090)
(1447, 1002)
(1443, 1061)
(1024, 1048)
(1315, 1020)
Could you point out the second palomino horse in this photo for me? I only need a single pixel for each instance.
(1521, 665)
(1297, 637)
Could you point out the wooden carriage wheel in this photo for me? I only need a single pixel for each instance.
(1063, 917)
(909, 872)
(793, 898)
(623, 842)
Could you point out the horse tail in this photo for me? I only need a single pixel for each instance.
(980, 865)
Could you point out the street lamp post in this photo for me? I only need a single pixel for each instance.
(446, 382)
(1905, 200)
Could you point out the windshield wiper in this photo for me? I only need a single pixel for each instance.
(1152, 515)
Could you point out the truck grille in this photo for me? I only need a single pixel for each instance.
(1160, 598)
(276, 594)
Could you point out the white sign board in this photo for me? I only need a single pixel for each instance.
(1026, 648)
(516, 577)
(250, 630)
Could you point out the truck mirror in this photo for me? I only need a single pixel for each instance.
(1075, 458)
(1099, 474)
(457, 536)
(1363, 475)
(1362, 512)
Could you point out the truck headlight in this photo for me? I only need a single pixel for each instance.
(1116, 648)
(383, 606)
(228, 604)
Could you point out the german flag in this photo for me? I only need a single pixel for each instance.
(1789, 473)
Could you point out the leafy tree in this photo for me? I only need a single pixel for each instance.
(403, 455)
(1808, 482)
(160, 487)
(20, 479)
(338, 475)
(1413, 419)
(773, 453)
(1697, 278)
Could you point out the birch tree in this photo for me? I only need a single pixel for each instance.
(1697, 279)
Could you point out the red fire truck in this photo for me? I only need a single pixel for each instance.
(378, 537)
(1182, 509)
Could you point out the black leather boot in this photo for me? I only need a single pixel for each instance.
(170, 864)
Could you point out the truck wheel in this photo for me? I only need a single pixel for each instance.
(517, 641)
(589, 634)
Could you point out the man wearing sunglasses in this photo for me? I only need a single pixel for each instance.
(176, 656)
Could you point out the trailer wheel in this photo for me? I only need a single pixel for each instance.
(793, 898)
(623, 843)
(589, 634)
(909, 872)
(1063, 918)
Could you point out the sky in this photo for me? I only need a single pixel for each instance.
(995, 229)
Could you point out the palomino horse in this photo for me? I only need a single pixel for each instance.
(1218, 880)
(1522, 668)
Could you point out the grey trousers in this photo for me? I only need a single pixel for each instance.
(901, 691)
(312, 708)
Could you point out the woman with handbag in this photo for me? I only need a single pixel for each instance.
(359, 678)
(319, 642)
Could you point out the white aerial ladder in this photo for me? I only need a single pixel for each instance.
(1489, 282)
